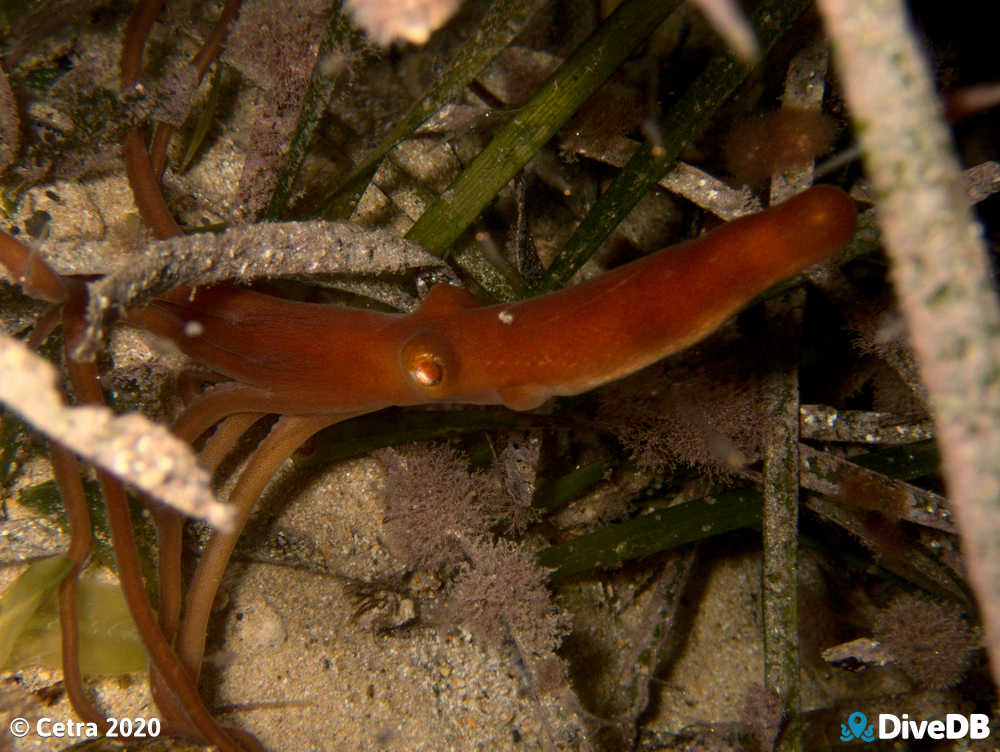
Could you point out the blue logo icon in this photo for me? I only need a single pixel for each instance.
(857, 728)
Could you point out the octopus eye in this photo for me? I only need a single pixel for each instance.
(426, 369)
(428, 363)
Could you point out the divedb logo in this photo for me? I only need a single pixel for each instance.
(890, 726)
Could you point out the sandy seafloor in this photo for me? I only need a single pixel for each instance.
(286, 641)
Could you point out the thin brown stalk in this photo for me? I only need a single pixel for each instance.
(67, 473)
(285, 437)
(222, 441)
(139, 24)
(215, 405)
(141, 176)
(66, 469)
(30, 272)
(206, 56)
(213, 45)
(170, 524)
(146, 187)
(45, 324)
